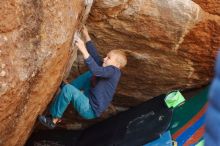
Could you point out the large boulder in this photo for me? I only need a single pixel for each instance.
(35, 49)
(171, 43)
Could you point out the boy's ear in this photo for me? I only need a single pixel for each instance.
(118, 65)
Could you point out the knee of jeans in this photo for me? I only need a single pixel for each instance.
(67, 87)
(68, 90)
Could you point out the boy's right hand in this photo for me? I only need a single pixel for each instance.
(80, 44)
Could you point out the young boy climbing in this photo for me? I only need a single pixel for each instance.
(88, 96)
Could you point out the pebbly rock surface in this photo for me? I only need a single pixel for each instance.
(210, 6)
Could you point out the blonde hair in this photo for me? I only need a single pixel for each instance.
(121, 57)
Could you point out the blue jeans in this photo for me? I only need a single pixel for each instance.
(79, 99)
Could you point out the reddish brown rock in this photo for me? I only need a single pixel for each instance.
(200, 46)
(35, 42)
(210, 6)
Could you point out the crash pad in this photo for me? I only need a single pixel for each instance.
(136, 126)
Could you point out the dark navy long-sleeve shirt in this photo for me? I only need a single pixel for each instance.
(108, 77)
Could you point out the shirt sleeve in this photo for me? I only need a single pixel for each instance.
(93, 52)
(97, 70)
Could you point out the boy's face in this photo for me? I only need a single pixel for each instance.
(110, 59)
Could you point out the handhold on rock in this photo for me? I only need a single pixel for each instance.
(88, 2)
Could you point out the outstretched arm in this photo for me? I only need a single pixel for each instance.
(91, 47)
(93, 66)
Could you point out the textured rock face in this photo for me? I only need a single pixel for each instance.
(35, 47)
(171, 43)
(210, 6)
